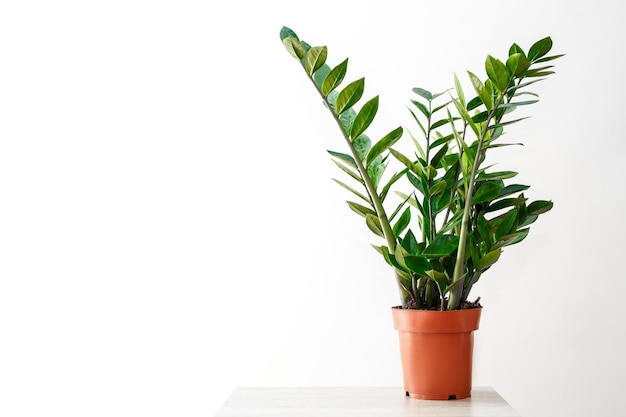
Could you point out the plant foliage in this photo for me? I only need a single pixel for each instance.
(458, 214)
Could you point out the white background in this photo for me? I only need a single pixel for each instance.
(169, 229)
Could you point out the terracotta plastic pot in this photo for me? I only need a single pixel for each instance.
(436, 349)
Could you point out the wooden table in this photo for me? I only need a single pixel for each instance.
(357, 402)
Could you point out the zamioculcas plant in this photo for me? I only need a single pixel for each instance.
(458, 214)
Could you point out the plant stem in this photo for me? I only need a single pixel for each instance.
(456, 294)
(371, 191)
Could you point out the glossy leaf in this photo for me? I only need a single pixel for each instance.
(410, 244)
(507, 224)
(418, 264)
(294, 47)
(517, 63)
(511, 239)
(459, 91)
(350, 95)
(355, 192)
(286, 32)
(385, 143)
(375, 170)
(515, 49)
(348, 171)
(488, 260)
(334, 78)
(484, 95)
(474, 103)
(497, 73)
(487, 191)
(502, 175)
(346, 119)
(362, 145)
(422, 107)
(364, 118)
(415, 168)
(439, 156)
(539, 207)
(540, 48)
(374, 225)
(314, 59)
(438, 187)
(483, 228)
(442, 245)
(549, 58)
(423, 93)
(360, 209)
(346, 158)
(504, 203)
(402, 222)
(320, 75)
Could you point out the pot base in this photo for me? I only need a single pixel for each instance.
(438, 397)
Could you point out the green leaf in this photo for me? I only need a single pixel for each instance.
(439, 155)
(506, 202)
(294, 47)
(517, 63)
(517, 104)
(539, 207)
(439, 123)
(497, 73)
(515, 49)
(390, 259)
(314, 59)
(459, 91)
(442, 245)
(502, 175)
(483, 229)
(285, 32)
(362, 145)
(540, 48)
(334, 77)
(350, 95)
(442, 140)
(487, 191)
(507, 224)
(421, 108)
(488, 260)
(474, 103)
(346, 119)
(529, 220)
(438, 187)
(374, 225)
(355, 192)
(360, 209)
(480, 89)
(346, 158)
(320, 75)
(409, 243)
(402, 222)
(423, 93)
(511, 239)
(332, 100)
(418, 264)
(413, 167)
(385, 143)
(364, 118)
(348, 171)
(375, 170)
(549, 58)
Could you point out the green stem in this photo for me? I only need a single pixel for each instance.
(456, 294)
(370, 188)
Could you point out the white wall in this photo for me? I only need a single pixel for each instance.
(169, 229)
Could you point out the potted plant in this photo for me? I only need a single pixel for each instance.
(453, 213)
